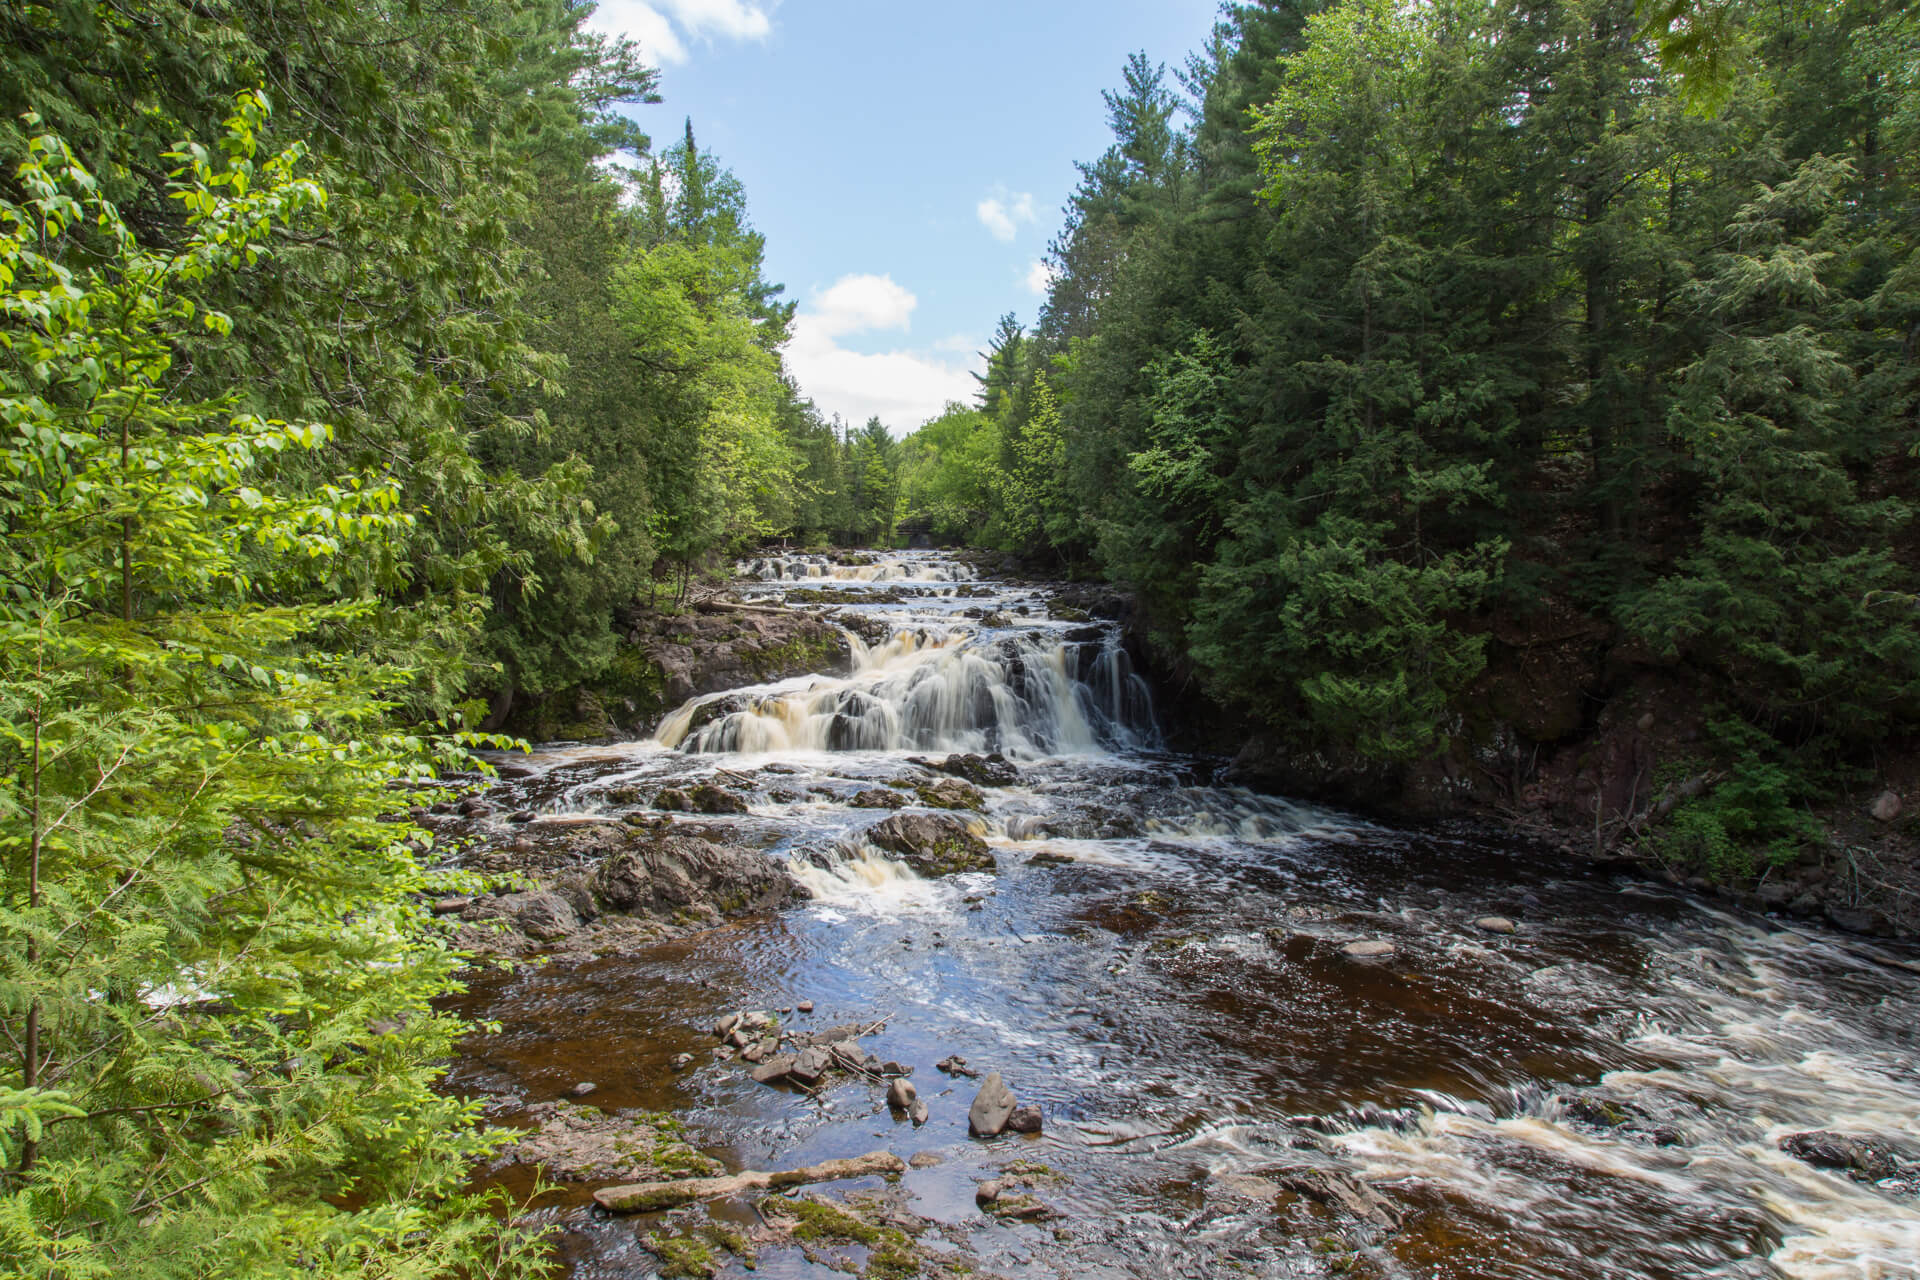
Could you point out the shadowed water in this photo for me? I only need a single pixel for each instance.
(1157, 965)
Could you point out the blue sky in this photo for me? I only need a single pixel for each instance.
(907, 161)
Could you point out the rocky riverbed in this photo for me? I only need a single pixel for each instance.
(935, 962)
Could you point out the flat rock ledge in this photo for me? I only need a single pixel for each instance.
(640, 1197)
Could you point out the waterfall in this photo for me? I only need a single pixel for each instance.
(1027, 693)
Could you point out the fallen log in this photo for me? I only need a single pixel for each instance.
(640, 1197)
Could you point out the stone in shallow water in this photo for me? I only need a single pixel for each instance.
(1025, 1120)
(1372, 949)
(775, 1069)
(992, 1108)
(1496, 924)
(901, 1095)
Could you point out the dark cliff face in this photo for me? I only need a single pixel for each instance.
(667, 658)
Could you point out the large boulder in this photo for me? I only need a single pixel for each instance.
(984, 771)
(933, 844)
(676, 874)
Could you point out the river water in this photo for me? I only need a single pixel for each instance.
(1157, 964)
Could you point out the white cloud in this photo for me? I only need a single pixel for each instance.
(1040, 277)
(663, 35)
(1002, 212)
(856, 304)
(903, 387)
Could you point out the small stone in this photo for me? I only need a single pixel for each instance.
(805, 1006)
(521, 816)
(475, 808)
(956, 1065)
(582, 1089)
(1025, 1120)
(1370, 950)
(901, 1095)
(1645, 723)
(763, 1050)
(681, 1061)
(1886, 807)
(919, 1112)
(775, 1069)
(987, 1192)
(722, 1028)
(810, 1066)
(926, 1159)
(448, 906)
(992, 1108)
(1496, 924)
(724, 1052)
(891, 1068)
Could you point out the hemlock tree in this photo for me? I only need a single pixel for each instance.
(214, 982)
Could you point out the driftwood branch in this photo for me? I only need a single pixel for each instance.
(639, 1197)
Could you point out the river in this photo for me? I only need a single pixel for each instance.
(1158, 964)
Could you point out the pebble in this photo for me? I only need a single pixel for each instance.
(1496, 924)
(987, 1192)
(1025, 1120)
(926, 1159)
(805, 1006)
(681, 1061)
(582, 1089)
(1367, 950)
(901, 1094)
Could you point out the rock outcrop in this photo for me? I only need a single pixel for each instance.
(933, 844)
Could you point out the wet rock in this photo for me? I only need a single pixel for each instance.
(901, 1095)
(933, 844)
(724, 1028)
(775, 1069)
(522, 816)
(955, 1065)
(672, 875)
(475, 808)
(812, 1064)
(575, 1143)
(926, 1159)
(984, 771)
(805, 1006)
(987, 1192)
(681, 1061)
(1886, 807)
(951, 793)
(762, 1050)
(673, 800)
(1025, 1119)
(997, 619)
(992, 1108)
(1340, 1192)
(582, 1089)
(540, 914)
(1374, 949)
(1864, 1159)
(919, 1112)
(878, 798)
(707, 798)
(1495, 924)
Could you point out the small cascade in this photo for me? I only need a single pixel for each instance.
(861, 877)
(1026, 692)
(821, 568)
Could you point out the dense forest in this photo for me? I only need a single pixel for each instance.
(361, 362)
(1387, 342)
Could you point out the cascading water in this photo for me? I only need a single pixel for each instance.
(1025, 693)
(1158, 964)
